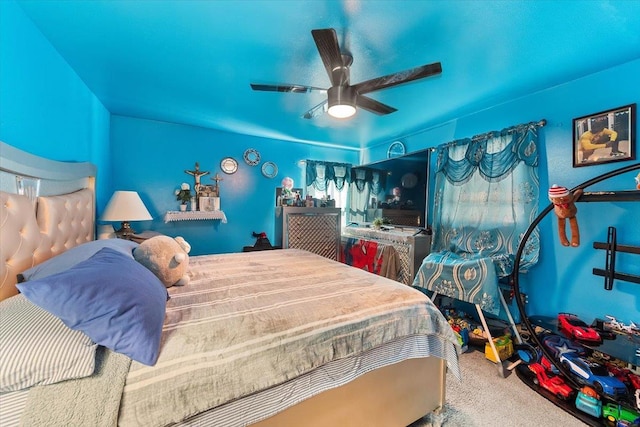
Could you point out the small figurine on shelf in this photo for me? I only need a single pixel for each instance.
(564, 207)
(308, 202)
(183, 195)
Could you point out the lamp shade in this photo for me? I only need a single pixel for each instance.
(126, 206)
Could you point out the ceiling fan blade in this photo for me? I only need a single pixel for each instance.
(316, 111)
(286, 88)
(374, 106)
(398, 78)
(327, 44)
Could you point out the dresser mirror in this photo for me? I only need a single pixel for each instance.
(396, 189)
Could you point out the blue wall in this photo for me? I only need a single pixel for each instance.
(563, 279)
(45, 108)
(163, 151)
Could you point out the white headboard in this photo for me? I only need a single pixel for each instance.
(35, 229)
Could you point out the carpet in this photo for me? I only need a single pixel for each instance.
(483, 398)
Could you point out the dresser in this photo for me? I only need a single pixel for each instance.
(411, 245)
(315, 230)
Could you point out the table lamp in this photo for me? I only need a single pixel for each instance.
(125, 206)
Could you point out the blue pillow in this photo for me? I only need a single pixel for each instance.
(112, 298)
(71, 257)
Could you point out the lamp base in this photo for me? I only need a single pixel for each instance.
(125, 231)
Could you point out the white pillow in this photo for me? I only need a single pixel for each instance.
(36, 348)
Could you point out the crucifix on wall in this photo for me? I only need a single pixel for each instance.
(197, 173)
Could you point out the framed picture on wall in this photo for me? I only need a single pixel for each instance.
(607, 136)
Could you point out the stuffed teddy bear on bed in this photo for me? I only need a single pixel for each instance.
(564, 207)
(166, 257)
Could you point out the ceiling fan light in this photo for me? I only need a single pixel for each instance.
(341, 102)
(342, 111)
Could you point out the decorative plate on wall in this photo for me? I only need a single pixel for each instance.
(251, 157)
(229, 165)
(269, 169)
(396, 149)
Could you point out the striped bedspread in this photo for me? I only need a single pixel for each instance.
(251, 321)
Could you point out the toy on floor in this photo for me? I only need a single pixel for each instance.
(553, 384)
(504, 347)
(615, 325)
(588, 402)
(564, 207)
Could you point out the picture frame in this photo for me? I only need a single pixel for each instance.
(604, 137)
(209, 204)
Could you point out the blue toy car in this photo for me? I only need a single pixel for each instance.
(593, 374)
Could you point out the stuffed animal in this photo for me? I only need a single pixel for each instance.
(564, 207)
(166, 257)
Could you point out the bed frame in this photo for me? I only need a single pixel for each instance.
(395, 395)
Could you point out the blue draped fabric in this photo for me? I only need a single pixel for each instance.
(486, 195)
(319, 174)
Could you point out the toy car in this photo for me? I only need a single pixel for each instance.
(593, 374)
(554, 384)
(625, 375)
(612, 413)
(576, 328)
(559, 345)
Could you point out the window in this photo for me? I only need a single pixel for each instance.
(329, 179)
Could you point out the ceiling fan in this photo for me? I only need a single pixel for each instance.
(342, 96)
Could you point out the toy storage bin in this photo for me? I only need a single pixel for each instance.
(504, 347)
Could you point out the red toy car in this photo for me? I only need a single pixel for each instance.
(625, 375)
(554, 384)
(576, 328)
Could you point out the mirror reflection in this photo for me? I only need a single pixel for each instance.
(393, 189)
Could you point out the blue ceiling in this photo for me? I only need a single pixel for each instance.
(191, 62)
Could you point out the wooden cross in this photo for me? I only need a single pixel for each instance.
(216, 187)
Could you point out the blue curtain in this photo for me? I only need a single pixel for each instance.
(485, 198)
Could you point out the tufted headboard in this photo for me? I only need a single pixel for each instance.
(46, 207)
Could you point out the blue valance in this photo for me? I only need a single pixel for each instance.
(494, 155)
(320, 173)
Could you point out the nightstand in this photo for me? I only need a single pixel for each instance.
(141, 237)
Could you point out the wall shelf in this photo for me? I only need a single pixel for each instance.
(172, 216)
(610, 196)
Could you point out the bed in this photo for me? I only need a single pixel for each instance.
(272, 338)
